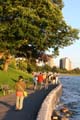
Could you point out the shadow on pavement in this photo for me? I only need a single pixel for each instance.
(31, 106)
(5, 104)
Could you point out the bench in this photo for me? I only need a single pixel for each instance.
(5, 89)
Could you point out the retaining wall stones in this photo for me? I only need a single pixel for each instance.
(49, 104)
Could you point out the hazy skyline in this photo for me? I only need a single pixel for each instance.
(71, 15)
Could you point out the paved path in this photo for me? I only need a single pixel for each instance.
(31, 105)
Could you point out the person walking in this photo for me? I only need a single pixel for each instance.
(40, 80)
(20, 86)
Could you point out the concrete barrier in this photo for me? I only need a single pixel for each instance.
(49, 104)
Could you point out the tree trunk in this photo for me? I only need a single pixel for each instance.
(6, 63)
(1, 55)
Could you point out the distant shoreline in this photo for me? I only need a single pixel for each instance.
(67, 74)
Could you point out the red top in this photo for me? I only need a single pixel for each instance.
(40, 78)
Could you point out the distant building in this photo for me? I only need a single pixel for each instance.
(45, 60)
(50, 62)
(65, 63)
(39, 63)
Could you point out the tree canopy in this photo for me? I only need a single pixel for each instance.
(28, 27)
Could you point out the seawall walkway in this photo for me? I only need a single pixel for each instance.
(31, 105)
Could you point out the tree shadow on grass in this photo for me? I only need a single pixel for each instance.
(14, 80)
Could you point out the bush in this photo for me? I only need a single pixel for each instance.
(31, 67)
(22, 65)
(13, 63)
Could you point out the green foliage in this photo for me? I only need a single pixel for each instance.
(28, 27)
(55, 69)
(31, 67)
(59, 3)
(75, 71)
(46, 68)
(22, 65)
(13, 63)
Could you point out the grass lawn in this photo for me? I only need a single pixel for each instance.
(11, 76)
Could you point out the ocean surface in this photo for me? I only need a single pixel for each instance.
(71, 95)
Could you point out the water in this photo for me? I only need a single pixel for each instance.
(71, 95)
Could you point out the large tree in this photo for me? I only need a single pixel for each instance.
(28, 27)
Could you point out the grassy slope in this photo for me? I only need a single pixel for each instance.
(11, 76)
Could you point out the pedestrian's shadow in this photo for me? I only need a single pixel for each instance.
(32, 105)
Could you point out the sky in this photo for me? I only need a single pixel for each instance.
(72, 17)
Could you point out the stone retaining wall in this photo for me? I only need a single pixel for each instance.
(49, 104)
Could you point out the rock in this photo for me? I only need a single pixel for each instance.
(64, 118)
(64, 109)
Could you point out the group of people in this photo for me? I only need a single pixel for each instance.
(43, 79)
(39, 79)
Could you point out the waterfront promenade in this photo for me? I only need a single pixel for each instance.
(31, 105)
